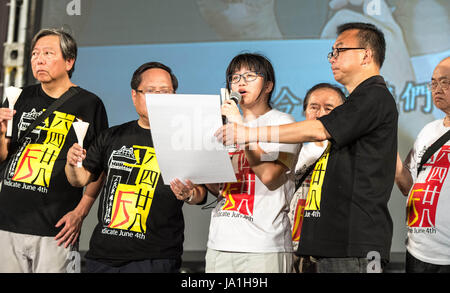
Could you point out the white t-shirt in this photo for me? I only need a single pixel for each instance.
(250, 217)
(309, 154)
(428, 204)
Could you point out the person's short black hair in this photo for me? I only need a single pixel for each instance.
(319, 86)
(255, 62)
(369, 36)
(136, 79)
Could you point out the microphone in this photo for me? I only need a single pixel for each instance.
(226, 95)
(236, 97)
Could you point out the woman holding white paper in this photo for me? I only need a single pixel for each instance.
(250, 229)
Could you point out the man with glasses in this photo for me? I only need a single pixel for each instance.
(140, 220)
(346, 224)
(427, 188)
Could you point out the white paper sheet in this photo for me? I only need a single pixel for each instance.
(183, 128)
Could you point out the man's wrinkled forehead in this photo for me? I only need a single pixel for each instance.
(47, 42)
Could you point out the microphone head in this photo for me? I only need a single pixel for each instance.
(236, 97)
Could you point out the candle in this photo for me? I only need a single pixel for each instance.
(12, 94)
(80, 128)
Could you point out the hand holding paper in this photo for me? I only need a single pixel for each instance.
(12, 94)
(80, 128)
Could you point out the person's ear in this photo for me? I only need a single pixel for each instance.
(368, 57)
(69, 64)
(268, 87)
(134, 94)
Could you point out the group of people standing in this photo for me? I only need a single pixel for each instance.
(319, 188)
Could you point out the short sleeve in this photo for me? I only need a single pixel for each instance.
(273, 150)
(360, 115)
(422, 142)
(99, 122)
(410, 163)
(94, 161)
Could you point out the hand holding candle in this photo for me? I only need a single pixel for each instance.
(12, 94)
(80, 128)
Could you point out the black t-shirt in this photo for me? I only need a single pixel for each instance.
(138, 217)
(35, 193)
(346, 214)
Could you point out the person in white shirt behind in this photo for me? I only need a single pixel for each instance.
(427, 188)
(319, 101)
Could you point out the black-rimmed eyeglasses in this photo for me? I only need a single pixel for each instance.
(248, 76)
(154, 91)
(335, 52)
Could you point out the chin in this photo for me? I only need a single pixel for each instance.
(43, 78)
(441, 105)
(339, 78)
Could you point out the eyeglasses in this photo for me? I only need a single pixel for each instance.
(154, 91)
(445, 84)
(335, 52)
(248, 76)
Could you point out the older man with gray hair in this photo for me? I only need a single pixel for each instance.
(40, 212)
(423, 178)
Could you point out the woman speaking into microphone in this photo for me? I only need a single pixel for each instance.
(250, 230)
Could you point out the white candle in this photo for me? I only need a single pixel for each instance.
(12, 94)
(80, 128)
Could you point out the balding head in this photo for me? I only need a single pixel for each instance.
(445, 63)
(440, 86)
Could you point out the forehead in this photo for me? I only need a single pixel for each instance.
(442, 70)
(51, 41)
(243, 68)
(156, 77)
(324, 96)
(347, 38)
